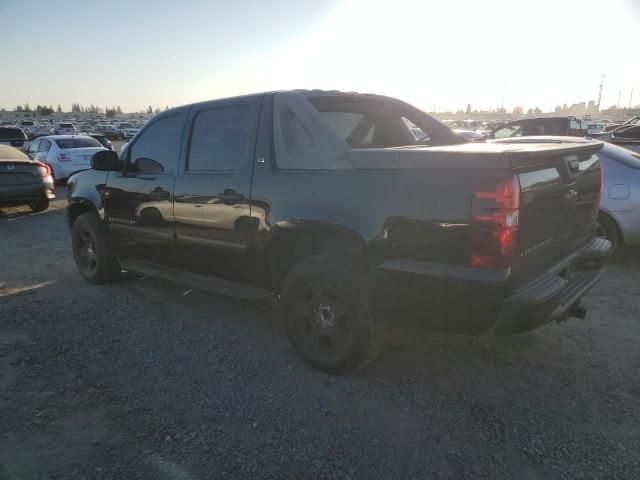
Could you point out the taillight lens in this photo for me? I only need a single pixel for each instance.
(43, 170)
(495, 216)
(63, 157)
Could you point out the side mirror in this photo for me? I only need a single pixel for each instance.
(104, 160)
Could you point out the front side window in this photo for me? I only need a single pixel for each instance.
(157, 149)
(33, 148)
(220, 139)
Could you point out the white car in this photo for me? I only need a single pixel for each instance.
(42, 130)
(66, 129)
(127, 130)
(65, 154)
(27, 126)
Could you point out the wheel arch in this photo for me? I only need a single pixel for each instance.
(611, 216)
(77, 206)
(291, 241)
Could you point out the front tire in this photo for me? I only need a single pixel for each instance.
(92, 250)
(327, 314)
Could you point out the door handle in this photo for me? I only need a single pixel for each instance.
(230, 196)
(159, 195)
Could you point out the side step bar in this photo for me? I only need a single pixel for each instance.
(196, 280)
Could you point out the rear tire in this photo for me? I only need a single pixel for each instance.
(326, 309)
(92, 250)
(606, 228)
(40, 206)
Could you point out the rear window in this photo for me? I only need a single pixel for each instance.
(77, 142)
(27, 123)
(622, 155)
(12, 134)
(66, 125)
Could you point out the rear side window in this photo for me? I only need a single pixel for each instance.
(220, 139)
(294, 134)
(622, 155)
(157, 149)
(77, 142)
(44, 145)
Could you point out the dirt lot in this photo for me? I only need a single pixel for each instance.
(141, 380)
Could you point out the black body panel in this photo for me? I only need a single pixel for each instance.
(405, 212)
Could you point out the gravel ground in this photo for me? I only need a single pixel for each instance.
(142, 379)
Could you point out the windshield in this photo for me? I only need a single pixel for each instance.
(66, 125)
(77, 142)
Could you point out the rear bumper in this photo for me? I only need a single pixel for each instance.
(471, 300)
(17, 194)
(555, 295)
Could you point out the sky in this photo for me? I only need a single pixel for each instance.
(438, 55)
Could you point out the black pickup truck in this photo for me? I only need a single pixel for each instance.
(357, 212)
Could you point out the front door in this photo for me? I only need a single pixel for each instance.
(139, 199)
(212, 192)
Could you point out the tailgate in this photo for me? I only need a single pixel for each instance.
(82, 156)
(559, 201)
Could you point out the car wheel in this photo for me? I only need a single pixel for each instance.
(40, 206)
(606, 228)
(92, 250)
(327, 314)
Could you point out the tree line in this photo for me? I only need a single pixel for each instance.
(44, 110)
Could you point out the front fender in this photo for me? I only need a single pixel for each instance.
(85, 192)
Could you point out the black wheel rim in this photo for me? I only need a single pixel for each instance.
(86, 251)
(322, 322)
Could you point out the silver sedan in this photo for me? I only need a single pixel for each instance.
(619, 217)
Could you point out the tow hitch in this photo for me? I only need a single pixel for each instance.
(576, 311)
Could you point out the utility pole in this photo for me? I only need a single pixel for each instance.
(600, 92)
(619, 95)
(630, 98)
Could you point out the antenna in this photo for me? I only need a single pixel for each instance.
(600, 92)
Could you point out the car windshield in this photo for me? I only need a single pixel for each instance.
(27, 124)
(66, 125)
(77, 142)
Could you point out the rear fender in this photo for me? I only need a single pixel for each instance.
(288, 242)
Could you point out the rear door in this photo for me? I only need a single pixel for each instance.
(139, 199)
(212, 192)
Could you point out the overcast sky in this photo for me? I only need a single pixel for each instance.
(444, 54)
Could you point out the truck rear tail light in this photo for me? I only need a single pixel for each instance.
(63, 157)
(495, 217)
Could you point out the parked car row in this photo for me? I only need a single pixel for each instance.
(110, 129)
